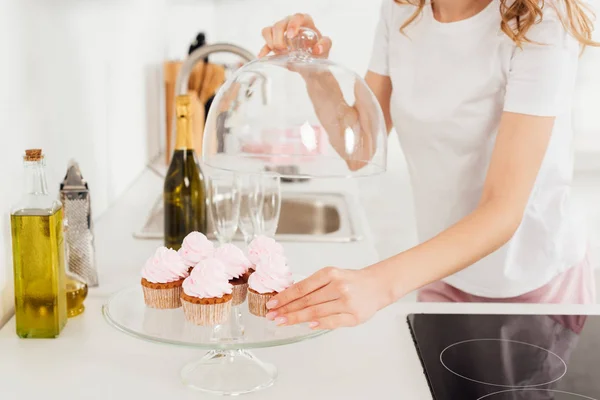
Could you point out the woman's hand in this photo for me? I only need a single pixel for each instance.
(331, 298)
(275, 36)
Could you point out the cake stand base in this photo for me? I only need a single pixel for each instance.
(228, 373)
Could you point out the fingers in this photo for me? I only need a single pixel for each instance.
(297, 21)
(264, 51)
(309, 314)
(325, 294)
(302, 288)
(267, 34)
(334, 321)
(279, 38)
(276, 36)
(322, 47)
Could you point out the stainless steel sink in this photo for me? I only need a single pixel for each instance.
(318, 217)
(308, 217)
(305, 217)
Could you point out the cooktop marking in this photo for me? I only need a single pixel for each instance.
(580, 396)
(501, 385)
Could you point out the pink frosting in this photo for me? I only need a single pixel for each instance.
(164, 266)
(263, 246)
(208, 280)
(272, 275)
(195, 248)
(236, 263)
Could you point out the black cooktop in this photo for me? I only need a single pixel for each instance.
(509, 357)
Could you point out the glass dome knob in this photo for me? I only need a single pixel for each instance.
(303, 43)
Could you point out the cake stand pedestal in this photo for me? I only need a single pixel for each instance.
(228, 368)
(228, 372)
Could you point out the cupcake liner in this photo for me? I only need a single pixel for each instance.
(257, 302)
(162, 298)
(239, 293)
(206, 314)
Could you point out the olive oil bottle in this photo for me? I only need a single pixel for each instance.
(77, 291)
(38, 256)
(184, 190)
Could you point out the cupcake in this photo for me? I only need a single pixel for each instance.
(271, 276)
(195, 248)
(236, 268)
(162, 277)
(263, 246)
(206, 296)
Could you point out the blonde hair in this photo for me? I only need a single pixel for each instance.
(518, 16)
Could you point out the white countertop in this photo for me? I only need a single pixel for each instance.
(91, 360)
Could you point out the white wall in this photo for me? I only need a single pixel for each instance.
(82, 79)
(9, 134)
(78, 76)
(185, 18)
(351, 24)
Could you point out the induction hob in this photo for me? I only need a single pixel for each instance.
(509, 357)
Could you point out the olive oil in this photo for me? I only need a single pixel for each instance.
(39, 272)
(37, 230)
(76, 287)
(76, 293)
(184, 190)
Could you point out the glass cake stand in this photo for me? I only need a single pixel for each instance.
(228, 368)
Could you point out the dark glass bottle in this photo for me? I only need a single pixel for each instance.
(184, 189)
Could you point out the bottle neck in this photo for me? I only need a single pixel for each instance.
(35, 178)
(184, 135)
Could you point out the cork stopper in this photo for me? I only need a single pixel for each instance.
(33, 155)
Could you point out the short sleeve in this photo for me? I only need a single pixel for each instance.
(542, 73)
(379, 56)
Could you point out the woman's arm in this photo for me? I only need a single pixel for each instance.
(520, 148)
(334, 297)
(336, 115)
(332, 110)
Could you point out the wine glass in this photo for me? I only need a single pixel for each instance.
(270, 207)
(224, 205)
(250, 205)
(224, 209)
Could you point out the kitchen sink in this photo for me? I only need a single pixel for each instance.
(305, 217)
(308, 217)
(319, 217)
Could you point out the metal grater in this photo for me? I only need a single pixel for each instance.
(75, 197)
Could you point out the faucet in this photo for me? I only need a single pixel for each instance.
(181, 86)
(199, 55)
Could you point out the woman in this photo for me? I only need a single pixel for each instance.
(480, 93)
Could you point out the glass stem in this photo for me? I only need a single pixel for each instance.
(237, 325)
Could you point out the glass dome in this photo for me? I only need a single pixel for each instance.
(296, 114)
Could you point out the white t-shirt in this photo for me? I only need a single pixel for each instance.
(451, 82)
